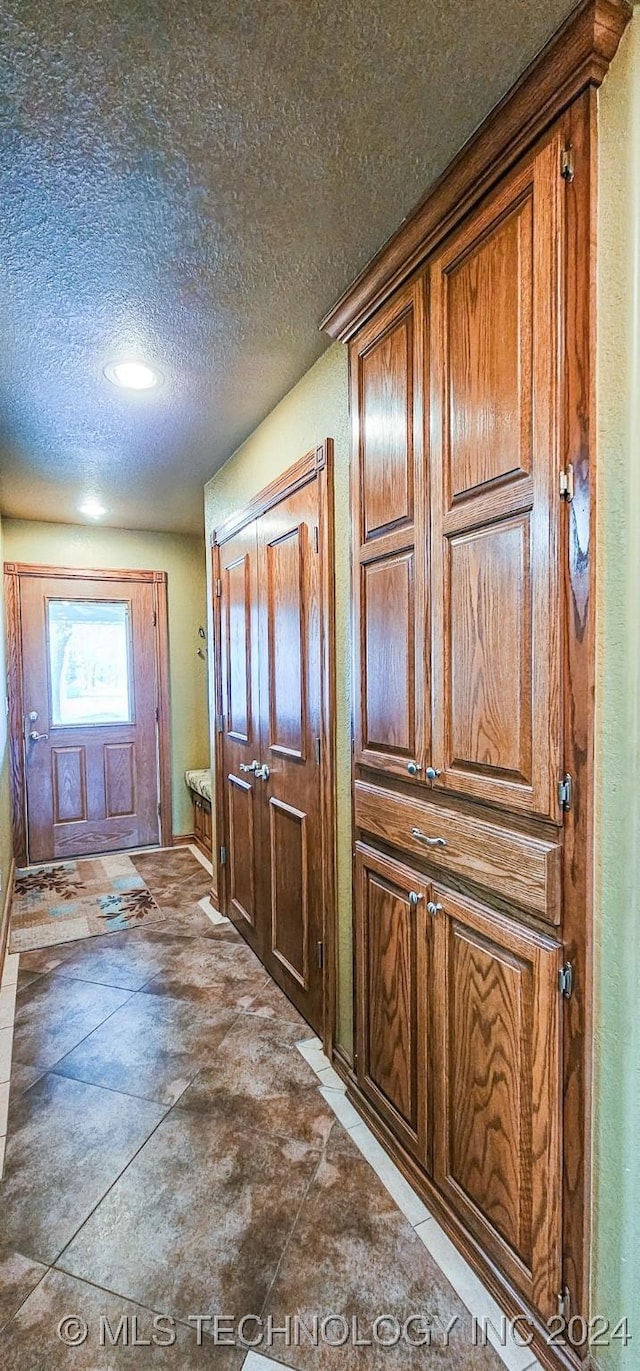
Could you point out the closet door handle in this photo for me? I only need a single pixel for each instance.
(262, 772)
(249, 766)
(432, 773)
(424, 838)
(415, 898)
(434, 908)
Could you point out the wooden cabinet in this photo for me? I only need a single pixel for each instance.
(387, 381)
(393, 962)
(495, 460)
(497, 1074)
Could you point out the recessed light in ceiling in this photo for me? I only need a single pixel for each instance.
(92, 508)
(132, 375)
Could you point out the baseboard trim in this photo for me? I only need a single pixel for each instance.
(343, 1064)
(512, 1303)
(6, 915)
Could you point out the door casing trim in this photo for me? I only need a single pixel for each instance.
(13, 571)
(315, 465)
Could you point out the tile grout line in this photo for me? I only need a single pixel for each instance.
(294, 1225)
(422, 1223)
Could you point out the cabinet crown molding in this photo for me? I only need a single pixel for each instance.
(577, 56)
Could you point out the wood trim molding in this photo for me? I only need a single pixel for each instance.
(315, 464)
(578, 56)
(289, 481)
(16, 714)
(79, 573)
(6, 916)
(163, 704)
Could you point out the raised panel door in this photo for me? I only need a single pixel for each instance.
(290, 650)
(495, 459)
(389, 585)
(497, 1088)
(392, 962)
(241, 728)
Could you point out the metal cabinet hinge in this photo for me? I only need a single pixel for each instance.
(565, 980)
(223, 856)
(321, 955)
(566, 483)
(567, 164)
(217, 589)
(220, 723)
(564, 1303)
(154, 619)
(565, 792)
(318, 750)
(316, 538)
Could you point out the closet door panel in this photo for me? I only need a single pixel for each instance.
(495, 463)
(389, 555)
(392, 992)
(241, 726)
(498, 1089)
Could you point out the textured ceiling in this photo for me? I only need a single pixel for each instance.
(197, 182)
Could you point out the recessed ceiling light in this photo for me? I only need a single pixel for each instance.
(132, 375)
(92, 508)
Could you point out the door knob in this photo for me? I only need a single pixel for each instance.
(432, 773)
(262, 773)
(434, 908)
(250, 766)
(38, 737)
(414, 768)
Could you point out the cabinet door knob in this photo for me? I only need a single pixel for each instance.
(414, 768)
(424, 838)
(414, 898)
(432, 773)
(434, 908)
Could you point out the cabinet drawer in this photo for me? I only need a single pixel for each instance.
(525, 871)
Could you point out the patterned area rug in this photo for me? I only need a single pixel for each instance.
(68, 900)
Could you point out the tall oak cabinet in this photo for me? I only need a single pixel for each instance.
(471, 354)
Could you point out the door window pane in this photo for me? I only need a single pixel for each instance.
(89, 662)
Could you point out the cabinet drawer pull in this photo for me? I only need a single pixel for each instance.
(424, 838)
(434, 908)
(415, 898)
(414, 768)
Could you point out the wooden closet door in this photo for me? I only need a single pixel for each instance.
(497, 1104)
(241, 727)
(392, 967)
(496, 422)
(387, 361)
(291, 670)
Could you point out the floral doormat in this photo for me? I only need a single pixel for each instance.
(68, 900)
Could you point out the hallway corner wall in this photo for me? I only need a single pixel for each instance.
(616, 1193)
(182, 557)
(316, 408)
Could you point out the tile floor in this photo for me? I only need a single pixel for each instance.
(179, 1149)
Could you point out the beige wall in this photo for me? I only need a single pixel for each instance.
(616, 1213)
(315, 409)
(183, 558)
(5, 803)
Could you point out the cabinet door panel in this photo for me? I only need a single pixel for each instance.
(389, 555)
(392, 970)
(498, 1090)
(388, 656)
(495, 459)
